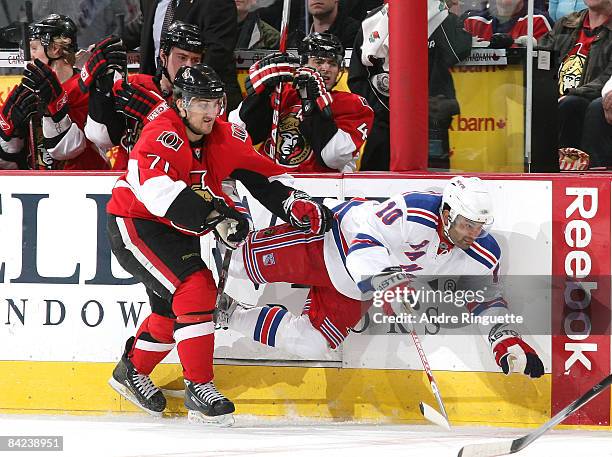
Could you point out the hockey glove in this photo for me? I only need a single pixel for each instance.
(313, 93)
(41, 79)
(230, 226)
(306, 214)
(269, 71)
(108, 55)
(139, 103)
(512, 354)
(19, 106)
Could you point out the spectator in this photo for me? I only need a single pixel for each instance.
(506, 16)
(217, 22)
(320, 129)
(449, 43)
(583, 41)
(559, 8)
(597, 134)
(359, 9)
(326, 18)
(253, 32)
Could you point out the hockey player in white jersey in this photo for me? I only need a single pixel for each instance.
(423, 234)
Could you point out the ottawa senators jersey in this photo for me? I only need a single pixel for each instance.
(164, 170)
(89, 158)
(314, 144)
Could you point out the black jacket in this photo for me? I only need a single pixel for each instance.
(218, 22)
(598, 67)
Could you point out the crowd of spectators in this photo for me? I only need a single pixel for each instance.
(575, 32)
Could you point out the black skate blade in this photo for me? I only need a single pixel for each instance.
(125, 393)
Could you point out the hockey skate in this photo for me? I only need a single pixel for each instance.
(205, 404)
(135, 387)
(224, 310)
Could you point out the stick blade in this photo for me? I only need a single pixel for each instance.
(434, 416)
(486, 449)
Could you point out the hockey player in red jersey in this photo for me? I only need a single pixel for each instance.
(57, 140)
(372, 244)
(171, 194)
(319, 129)
(115, 105)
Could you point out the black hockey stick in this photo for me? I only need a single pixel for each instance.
(512, 446)
(223, 275)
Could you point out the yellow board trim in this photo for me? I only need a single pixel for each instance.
(340, 394)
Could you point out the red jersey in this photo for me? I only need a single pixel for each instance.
(120, 154)
(353, 118)
(483, 25)
(90, 158)
(163, 164)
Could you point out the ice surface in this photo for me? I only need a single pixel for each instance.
(137, 435)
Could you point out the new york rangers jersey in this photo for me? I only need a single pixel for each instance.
(368, 237)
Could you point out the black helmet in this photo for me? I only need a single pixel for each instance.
(321, 45)
(198, 81)
(54, 26)
(183, 36)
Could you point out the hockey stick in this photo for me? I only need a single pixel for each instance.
(512, 446)
(276, 96)
(227, 257)
(427, 411)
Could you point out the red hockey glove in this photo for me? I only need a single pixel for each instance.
(41, 79)
(311, 87)
(269, 71)
(306, 214)
(19, 106)
(513, 353)
(108, 55)
(139, 103)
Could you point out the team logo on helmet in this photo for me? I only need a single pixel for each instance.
(292, 149)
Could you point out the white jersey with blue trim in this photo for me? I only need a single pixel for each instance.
(368, 237)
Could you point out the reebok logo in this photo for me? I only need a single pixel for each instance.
(157, 111)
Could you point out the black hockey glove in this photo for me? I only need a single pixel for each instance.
(230, 226)
(19, 106)
(108, 55)
(139, 103)
(501, 41)
(311, 86)
(41, 79)
(269, 71)
(306, 214)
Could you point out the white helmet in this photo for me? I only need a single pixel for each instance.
(469, 198)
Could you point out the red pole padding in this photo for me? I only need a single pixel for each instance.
(408, 76)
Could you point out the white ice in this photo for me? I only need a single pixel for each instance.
(138, 435)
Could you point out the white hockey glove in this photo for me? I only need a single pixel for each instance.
(391, 289)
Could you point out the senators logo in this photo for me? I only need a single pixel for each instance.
(292, 148)
(170, 140)
(198, 185)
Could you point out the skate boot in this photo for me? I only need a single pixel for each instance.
(205, 404)
(224, 310)
(135, 387)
